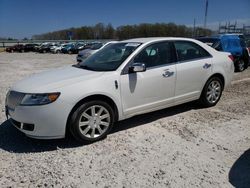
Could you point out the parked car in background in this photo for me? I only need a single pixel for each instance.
(122, 80)
(45, 48)
(248, 48)
(68, 49)
(58, 48)
(30, 47)
(53, 47)
(91, 50)
(73, 48)
(15, 48)
(37, 48)
(233, 44)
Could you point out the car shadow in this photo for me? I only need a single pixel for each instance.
(239, 174)
(12, 140)
(152, 116)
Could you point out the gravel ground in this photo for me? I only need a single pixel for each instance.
(183, 146)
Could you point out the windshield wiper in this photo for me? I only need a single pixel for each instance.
(84, 67)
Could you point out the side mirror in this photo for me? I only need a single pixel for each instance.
(137, 67)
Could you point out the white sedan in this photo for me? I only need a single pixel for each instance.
(122, 80)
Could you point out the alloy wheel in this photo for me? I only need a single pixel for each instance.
(94, 121)
(213, 92)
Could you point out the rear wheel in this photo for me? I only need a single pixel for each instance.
(92, 121)
(211, 92)
(240, 65)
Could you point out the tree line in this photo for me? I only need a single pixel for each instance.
(102, 31)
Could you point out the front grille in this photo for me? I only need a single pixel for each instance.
(14, 99)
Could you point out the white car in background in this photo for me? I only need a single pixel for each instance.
(57, 48)
(83, 54)
(122, 80)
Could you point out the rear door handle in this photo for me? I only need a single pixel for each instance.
(167, 74)
(206, 66)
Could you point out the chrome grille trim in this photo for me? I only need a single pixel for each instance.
(14, 99)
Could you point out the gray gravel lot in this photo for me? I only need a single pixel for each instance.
(183, 146)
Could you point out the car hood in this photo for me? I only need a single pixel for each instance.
(50, 81)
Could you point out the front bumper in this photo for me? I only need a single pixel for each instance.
(41, 122)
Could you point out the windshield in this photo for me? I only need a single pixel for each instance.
(110, 57)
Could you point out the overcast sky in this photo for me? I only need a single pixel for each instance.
(24, 18)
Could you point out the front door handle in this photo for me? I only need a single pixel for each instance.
(167, 74)
(206, 66)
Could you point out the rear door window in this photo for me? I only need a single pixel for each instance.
(187, 50)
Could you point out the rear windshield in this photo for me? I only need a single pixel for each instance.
(209, 41)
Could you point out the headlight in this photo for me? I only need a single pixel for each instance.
(39, 99)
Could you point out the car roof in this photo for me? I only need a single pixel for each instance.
(212, 37)
(155, 39)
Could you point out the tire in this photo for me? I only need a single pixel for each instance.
(211, 92)
(57, 51)
(44, 51)
(240, 65)
(97, 119)
(70, 52)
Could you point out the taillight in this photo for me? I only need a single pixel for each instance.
(231, 57)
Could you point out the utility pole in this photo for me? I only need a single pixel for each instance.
(205, 20)
(194, 32)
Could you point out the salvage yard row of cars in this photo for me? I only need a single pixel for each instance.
(54, 47)
(232, 43)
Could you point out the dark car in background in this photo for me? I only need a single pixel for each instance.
(68, 49)
(15, 48)
(45, 48)
(233, 44)
(75, 48)
(248, 48)
(30, 47)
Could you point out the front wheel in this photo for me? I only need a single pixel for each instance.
(211, 92)
(92, 121)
